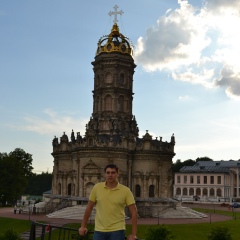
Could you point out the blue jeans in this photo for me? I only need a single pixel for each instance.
(116, 235)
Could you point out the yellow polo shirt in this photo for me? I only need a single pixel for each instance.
(110, 205)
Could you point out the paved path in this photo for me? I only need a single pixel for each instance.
(8, 212)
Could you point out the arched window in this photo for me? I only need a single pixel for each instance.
(120, 103)
(108, 103)
(178, 191)
(191, 191)
(59, 189)
(108, 78)
(212, 192)
(198, 192)
(151, 191)
(90, 143)
(121, 79)
(219, 192)
(185, 191)
(137, 190)
(205, 192)
(69, 189)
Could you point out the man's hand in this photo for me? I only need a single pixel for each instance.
(132, 237)
(82, 231)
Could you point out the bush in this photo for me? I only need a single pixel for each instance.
(10, 235)
(220, 233)
(158, 233)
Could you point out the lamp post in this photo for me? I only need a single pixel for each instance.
(29, 211)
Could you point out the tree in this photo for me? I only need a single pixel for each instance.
(15, 168)
(203, 159)
(178, 164)
(25, 159)
(220, 233)
(39, 183)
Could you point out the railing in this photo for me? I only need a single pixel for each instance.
(45, 232)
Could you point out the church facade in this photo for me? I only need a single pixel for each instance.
(112, 134)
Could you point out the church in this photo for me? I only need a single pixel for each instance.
(112, 134)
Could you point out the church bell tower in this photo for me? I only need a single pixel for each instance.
(113, 89)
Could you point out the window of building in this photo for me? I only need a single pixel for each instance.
(198, 192)
(185, 179)
(178, 191)
(219, 180)
(137, 190)
(178, 179)
(219, 192)
(69, 189)
(191, 191)
(121, 79)
(191, 179)
(212, 192)
(108, 103)
(198, 179)
(205, 179)
(120, 103)
(59, 189)
(212, 179)
(185, 191)
(151, 191)
(205, 192)
(108, 78)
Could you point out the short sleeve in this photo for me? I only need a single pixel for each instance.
(130, 199)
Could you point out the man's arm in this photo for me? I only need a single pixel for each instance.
(83, 229)
(133, 211)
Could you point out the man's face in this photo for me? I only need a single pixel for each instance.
(111, 175)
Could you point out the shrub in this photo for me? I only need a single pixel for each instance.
(220, 233)
(10, 235)
(158, 233)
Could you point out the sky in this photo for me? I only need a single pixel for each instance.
(187, 79)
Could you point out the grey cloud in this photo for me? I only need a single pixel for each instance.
(230, 80)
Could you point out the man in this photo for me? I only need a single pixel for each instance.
(110, 198)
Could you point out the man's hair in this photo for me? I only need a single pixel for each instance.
(111, 166)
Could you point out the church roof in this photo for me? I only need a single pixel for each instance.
(114, 42)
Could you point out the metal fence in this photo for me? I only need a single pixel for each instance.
(49, 232)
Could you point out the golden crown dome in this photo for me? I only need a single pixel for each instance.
(114, 42)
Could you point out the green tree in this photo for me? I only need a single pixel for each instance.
(39, 183)
(15, 168)
(178, 164)
(220, 233)
(203, 159)
(158, 233)
(25, 159)
(10, 235)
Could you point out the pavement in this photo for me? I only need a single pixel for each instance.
(212, 217)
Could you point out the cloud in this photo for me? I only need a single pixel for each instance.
(230, 80)
(195, 44)
(51, 123)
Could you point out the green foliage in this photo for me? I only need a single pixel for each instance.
(10, 235)
(15, 168)
(158, 233)
(178, 164)
(203, 159)
(220, 233)
(39, 183)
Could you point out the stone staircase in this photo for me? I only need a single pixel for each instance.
(75, 212)
(181, 212)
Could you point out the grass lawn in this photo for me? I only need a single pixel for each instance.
(17, 225)
(197, 231)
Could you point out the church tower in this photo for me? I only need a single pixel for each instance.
(112, 136)
(112, 118)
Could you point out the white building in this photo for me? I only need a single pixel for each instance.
(208, 181)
